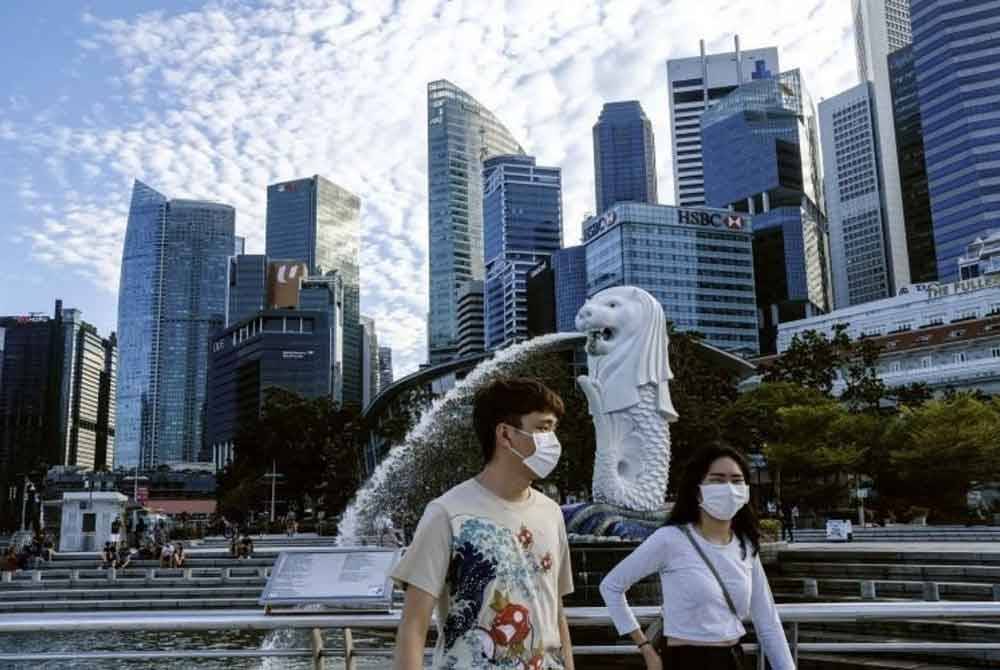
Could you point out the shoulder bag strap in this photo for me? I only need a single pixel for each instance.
(701, 552)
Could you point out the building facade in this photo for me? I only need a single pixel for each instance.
(881, 27)
(854, 197)
(624, 155)
(955, 58)
(981, 257)
(172, 297)
(246, 292)
(318, 222)
(461, 134)
(471, 322)
(540, 293)
(522, 224)
(694, 85)
(369, 360)
(912, 167)
(761, 153)
(385, 374)
(282, 348)
(569, 267)
(697, 262)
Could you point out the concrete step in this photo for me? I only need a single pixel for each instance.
(190, 562)
(130, 604)
(951, 573)
(132, 583)
(896, 589)
(151, 593)
(855, 554)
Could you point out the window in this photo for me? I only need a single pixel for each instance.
(925, 362)
(895, 366)
(89, 522)
(996, 352)
(960, 357)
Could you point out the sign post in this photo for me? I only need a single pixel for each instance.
(352, 579)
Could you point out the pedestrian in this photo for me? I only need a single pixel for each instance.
(167, 556)
(708, 559)
(140, 531)
(491, 553)
(795, 516)
(116, 527)
(787, 523)
(179, 556)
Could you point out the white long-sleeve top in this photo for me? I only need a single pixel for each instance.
(694, 607)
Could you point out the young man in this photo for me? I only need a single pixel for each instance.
(492, 552)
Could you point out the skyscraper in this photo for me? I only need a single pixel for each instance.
(694, 85)
(317, 221)
(761, 150)
(881, 27)
(471, 331)
(461, 133)
(369, 360)
(569, 266)
(854, 197)
(384, 368)
(522, 223)
(172, 295)
(624, 155)
(955, 57)
(912, 167)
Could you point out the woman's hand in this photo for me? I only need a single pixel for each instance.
(653, 661)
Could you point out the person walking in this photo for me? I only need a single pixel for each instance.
(787, 523)
(492, 553)
(708, 559)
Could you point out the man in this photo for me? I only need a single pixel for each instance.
(492, 552)
(787, 525)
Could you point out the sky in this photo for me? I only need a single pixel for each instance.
(216, 100)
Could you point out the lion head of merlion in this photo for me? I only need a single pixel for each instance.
(626, 347)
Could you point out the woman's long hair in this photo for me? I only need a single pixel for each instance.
(688, 510)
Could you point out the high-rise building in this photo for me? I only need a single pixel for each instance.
(569, 267)
(761, 151)
(326, 294)
(695, 84)
(854, 197)
(471, 329)
(697, 262)
(540, 296)
(981, 257)
(318, 222)
(369, 360)
(461, 134)
(385, 376)
(958, 78)
(881, 27)
(522, 223)
(246, 294)
(171, 298)
(624, 155)
(912, 168)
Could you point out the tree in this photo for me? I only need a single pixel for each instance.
(753, 420)
(864, 388)
(812, 360)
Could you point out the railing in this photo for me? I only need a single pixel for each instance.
(792, 616)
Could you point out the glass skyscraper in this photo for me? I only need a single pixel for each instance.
(761, 153)
(522, 224)
(318, 222)
(958, 79)
(624, 155)
(912, 168)
(854, 197)
(171, 297)
(569, 267)
(697, 262)
(461, 133)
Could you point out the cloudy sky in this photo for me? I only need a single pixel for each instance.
(216, 100)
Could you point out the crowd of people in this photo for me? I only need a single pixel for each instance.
(30, 555)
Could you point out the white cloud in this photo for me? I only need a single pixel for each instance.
(229, 98)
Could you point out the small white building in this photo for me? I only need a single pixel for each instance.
(86, 518)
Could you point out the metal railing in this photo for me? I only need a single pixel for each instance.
(792, 615)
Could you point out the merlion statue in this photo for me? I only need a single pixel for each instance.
(629, 396)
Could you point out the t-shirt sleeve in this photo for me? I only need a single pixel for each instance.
(425, 563)
(565, 563)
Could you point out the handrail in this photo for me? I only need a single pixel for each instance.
(256, 620)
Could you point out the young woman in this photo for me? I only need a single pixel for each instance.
(710, 572)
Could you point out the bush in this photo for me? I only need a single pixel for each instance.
(770, 530)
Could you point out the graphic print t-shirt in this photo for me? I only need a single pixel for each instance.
(499, 571)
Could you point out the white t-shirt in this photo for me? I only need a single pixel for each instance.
(694, 607)
(499, 570)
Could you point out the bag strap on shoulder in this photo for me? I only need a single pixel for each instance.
(701, 552)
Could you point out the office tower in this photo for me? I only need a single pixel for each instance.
(912, 168)
(881, 27)
(104, 453)
(246, 294)
(761, 152)
(854, 197)
(624, 155)
(540, 297)
(471, 328)
(694, 85)
(171, 297)
(385, 375)
(569, 267)
(240, 247)
(522, 223)
(697, 262)
(461, 134)
(315, 221)
(369, 360)
(326, 294)
(958, 79)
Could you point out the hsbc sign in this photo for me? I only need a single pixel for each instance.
(700, 217)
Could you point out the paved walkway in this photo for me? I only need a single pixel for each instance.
(896, 547)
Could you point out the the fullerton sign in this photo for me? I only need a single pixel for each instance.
(965, 286)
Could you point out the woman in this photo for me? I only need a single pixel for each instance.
(179, 556)
(710, 527)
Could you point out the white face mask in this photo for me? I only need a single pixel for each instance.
(547, 453)
(723, 501)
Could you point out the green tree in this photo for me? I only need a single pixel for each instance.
(753, 420)
(812, 360)
(864, 388)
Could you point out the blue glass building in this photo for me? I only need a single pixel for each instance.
(317, 221)
(698, 262)
(958, 79)
(624, 155)
(761, 157)
(569, 266)
(171, 297)
(461, 133)
(522, 224)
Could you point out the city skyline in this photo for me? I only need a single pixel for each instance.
(108, 103)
